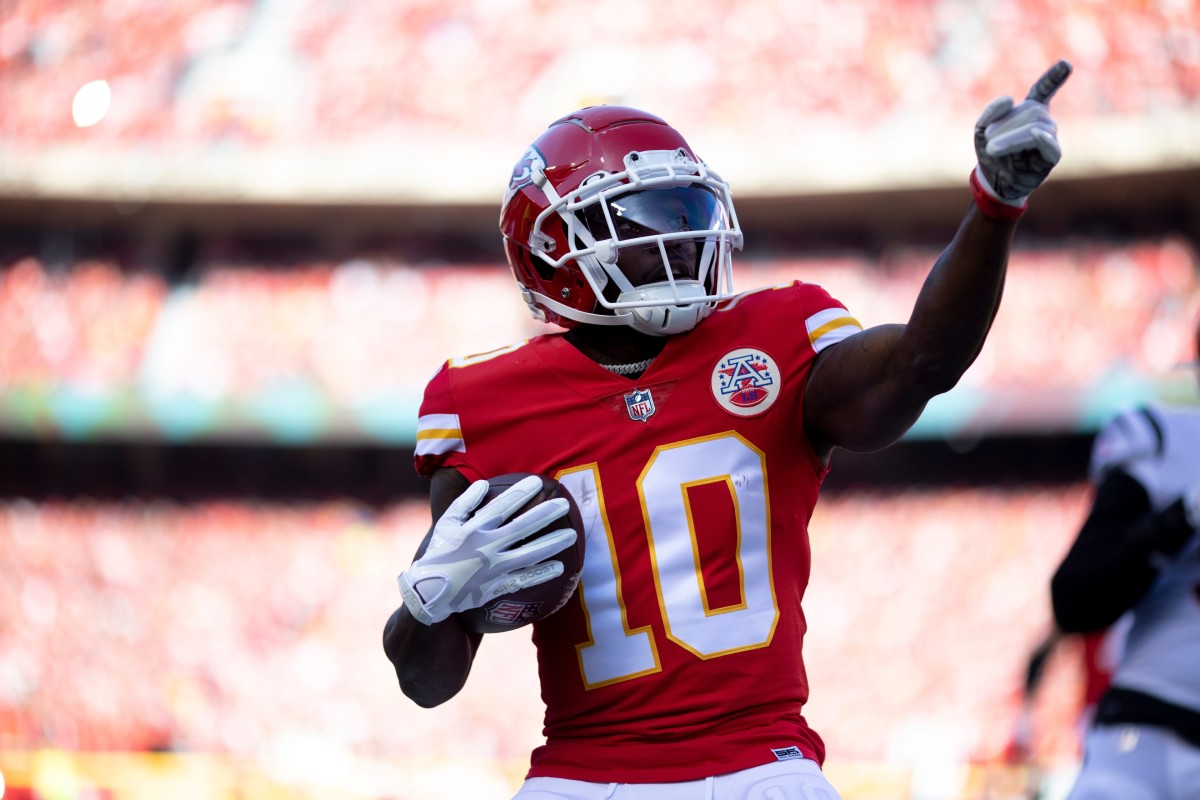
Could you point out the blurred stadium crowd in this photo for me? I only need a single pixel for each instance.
(249, 627)
(345, 339)
(275, 72)
(252, 628)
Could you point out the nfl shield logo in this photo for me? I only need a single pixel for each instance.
(640, 405)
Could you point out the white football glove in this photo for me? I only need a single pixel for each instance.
(471, 558)
(1017, 146)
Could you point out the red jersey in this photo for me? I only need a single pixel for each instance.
(679, 656)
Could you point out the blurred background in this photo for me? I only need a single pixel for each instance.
(238, 236)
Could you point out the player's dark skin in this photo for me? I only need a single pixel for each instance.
(861, 395)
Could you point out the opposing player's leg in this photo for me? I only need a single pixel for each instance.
(1124, 762)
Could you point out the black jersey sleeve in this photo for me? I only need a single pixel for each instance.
(1115, 557)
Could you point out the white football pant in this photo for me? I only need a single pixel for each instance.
(799, 779)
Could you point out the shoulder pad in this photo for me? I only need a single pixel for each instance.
(826, 320)
(1130, 436)
(479, 358)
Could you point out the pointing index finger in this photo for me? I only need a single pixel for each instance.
(1050, 82)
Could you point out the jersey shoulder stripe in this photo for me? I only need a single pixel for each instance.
(827, 321)
(830, 326)
(438, 434)
(440, 439)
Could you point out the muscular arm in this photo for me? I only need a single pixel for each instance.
(432, 661)
(865, 392)
(1112, 562)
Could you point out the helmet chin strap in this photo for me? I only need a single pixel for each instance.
(656, 320)
(667, 318)
(613, 319)
(668, 321)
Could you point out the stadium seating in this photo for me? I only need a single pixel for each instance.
(241, 637)
(359, 71)
(323, 349)
(251, 629)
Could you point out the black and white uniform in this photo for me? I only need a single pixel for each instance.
(1139, 552)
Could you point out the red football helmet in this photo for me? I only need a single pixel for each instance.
(611, 219)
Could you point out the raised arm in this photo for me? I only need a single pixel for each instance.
(866, 391)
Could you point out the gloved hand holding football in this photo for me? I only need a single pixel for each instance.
(478, 554)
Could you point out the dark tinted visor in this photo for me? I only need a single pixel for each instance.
(652, 211)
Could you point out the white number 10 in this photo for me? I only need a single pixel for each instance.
(615, 652)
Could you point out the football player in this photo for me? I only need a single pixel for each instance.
(694, 427)
(1138, 552)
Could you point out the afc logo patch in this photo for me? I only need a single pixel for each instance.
(640, 405)
(746, 382)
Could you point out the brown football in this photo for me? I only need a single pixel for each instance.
(518, 609)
